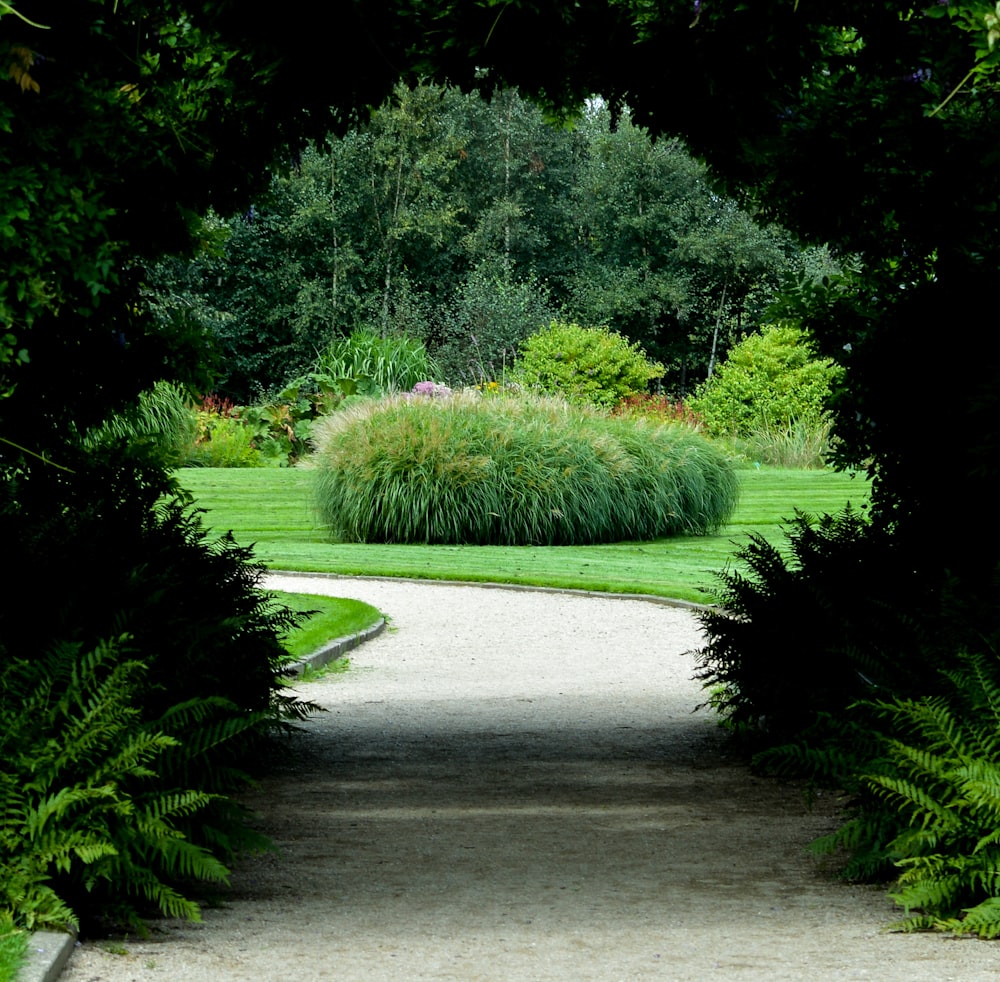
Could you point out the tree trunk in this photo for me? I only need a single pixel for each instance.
(715, 333)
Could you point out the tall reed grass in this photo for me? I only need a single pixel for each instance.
(513, 471)
(160, 417)
(393, 363)
(798, 443)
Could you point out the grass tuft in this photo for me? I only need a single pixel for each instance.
(13, 948)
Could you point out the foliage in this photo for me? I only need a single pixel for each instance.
(465, 220)
(279, 429)
(799, 443)
(84, 813)
(83, 145)
(389, 363)
(207, 640)
(859, 95)
(159, 418)
(658, 407)
(670, 264)
(897, 105)
(922, 773)
(941, 776)
(513, 471)
(492, 312)
(798, 638)
(154, 555)
(588, 365)
(13, 948)
(769, 382)
(129, 118)
(220, 438)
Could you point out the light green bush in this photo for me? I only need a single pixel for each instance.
(513, 471)
(222, 441)
(590, 365)
(769, 383)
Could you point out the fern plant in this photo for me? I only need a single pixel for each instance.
(81, 810)
(116, 756)
(943, 780)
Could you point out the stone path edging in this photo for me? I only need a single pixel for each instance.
(48, 952)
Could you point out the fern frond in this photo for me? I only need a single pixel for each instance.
(982, 920)
(990, 839)
(191, 862)
(910, 798)
(918, 922)
(174, 804)
(60, 804)
(928, 883)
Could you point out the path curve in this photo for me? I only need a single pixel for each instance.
(515, 785)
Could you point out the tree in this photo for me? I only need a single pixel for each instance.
(468, 220)
(667, 260)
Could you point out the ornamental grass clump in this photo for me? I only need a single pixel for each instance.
(530, 470)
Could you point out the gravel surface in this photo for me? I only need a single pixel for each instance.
(516, 785)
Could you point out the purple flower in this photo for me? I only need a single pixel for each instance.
(431, 390)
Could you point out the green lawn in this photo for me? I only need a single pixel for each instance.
(272, 508)
(333, 617)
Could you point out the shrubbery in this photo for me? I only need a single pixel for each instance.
(393, 364)
(806, 630)
(221, 438)
(827, 662)
(512, 471)
(125, 724)
(277, 431)
(659, 407)
(86, 815)
(770, 397)
(588, 365)
(159, 419)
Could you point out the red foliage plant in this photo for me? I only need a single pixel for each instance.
(658, 407)
(218, 405)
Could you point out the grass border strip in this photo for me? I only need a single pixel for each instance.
(333, 650)
(490, 585)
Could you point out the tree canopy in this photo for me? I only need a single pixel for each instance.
(468, 221)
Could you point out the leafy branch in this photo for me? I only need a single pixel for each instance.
(6, 8)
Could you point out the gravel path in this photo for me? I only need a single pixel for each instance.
(514, 785)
